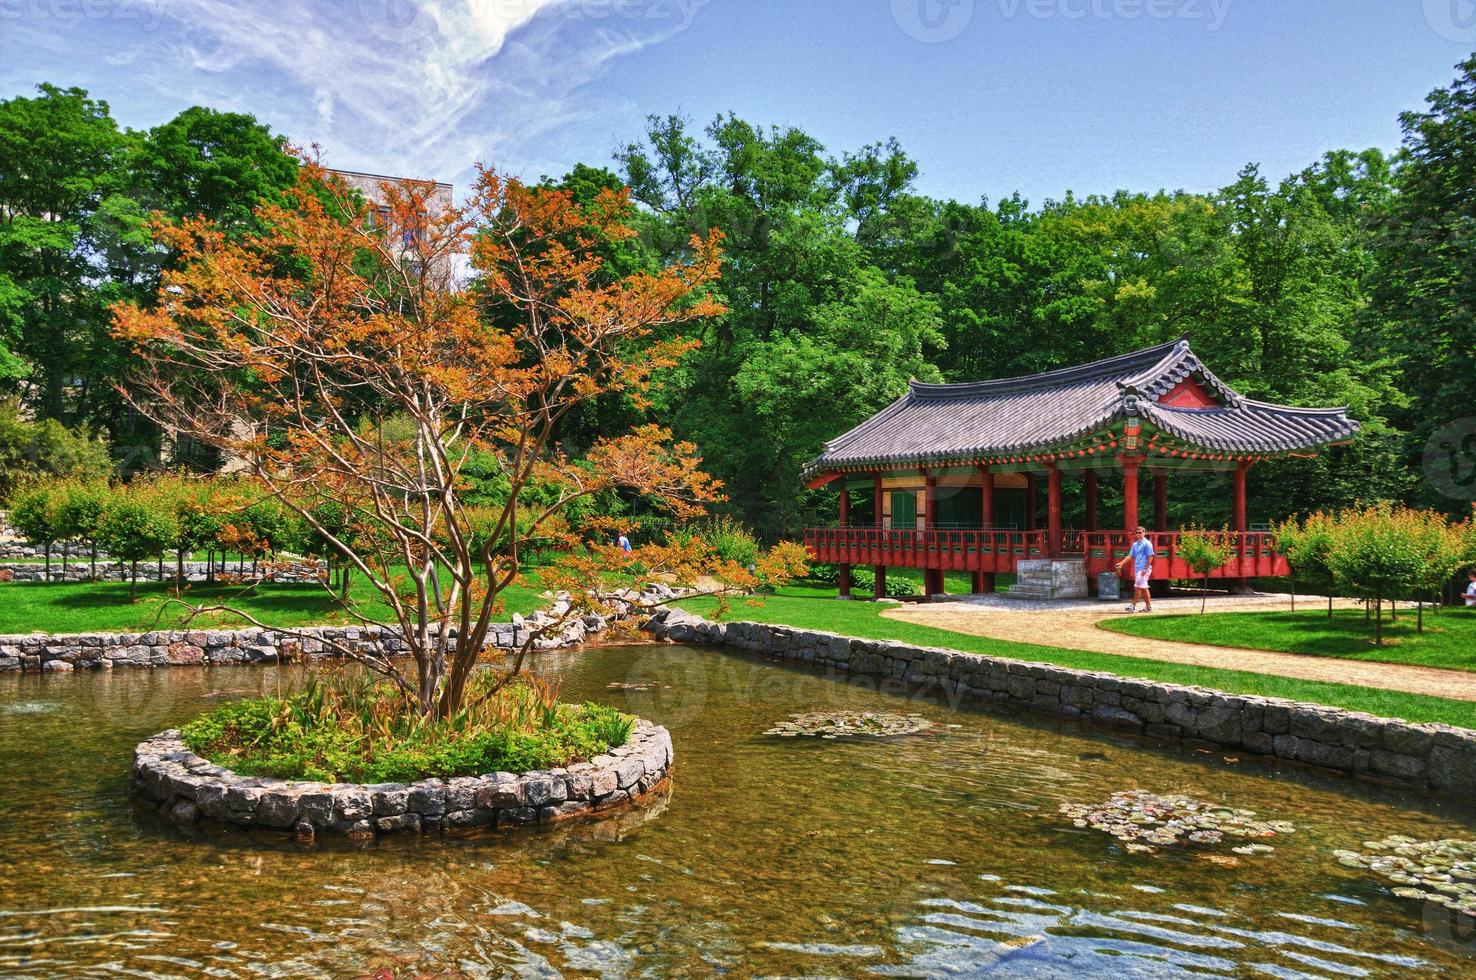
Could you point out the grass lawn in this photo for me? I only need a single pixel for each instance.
(82, 607)
(1449, 639)
(817, 608)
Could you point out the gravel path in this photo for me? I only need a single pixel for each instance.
(1072, 625)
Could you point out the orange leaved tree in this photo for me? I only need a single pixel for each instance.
(354, 359)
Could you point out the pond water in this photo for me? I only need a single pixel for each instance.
(927, 855)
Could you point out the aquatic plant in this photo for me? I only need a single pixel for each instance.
(1439, 871)
(835, 724)
(1145, 821)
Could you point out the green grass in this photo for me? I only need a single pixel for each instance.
(85, 607)
(1449, 639)
(809, 607)
(352, 728)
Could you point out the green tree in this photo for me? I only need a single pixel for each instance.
(35, 514)
(1204, 551)
(80, 514)
(135, 528)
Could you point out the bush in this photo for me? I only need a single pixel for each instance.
(863, 580)
(730, 540)
(36, 515)
(31, 451)
(351, 728)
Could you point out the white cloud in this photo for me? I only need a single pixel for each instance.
(414, 86)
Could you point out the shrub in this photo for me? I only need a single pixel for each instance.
(730, 540)
(350, 728)
(80, 515)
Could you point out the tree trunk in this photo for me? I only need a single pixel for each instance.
(179, 571)
(1420, 618)
(133, 587)
(1293, 580)
(93, 573)
(66, 547)
(47, 549)
(209, 565)
(1204, 596)
(1393, 610)
(1378, 622)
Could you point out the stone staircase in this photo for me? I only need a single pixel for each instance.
(1041, 580)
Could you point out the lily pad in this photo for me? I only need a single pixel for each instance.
(1145, 821)
(837, 724)
(1438, 871)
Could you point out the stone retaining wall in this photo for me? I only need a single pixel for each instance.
(166, 648)
(80, 570)
(1438, 758)
(187, 789)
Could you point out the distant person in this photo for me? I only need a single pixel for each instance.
(1142, 555)
(623, 543)
(1471, 591)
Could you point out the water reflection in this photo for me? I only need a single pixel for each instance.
(939, 854)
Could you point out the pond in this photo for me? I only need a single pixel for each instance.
(936, 853)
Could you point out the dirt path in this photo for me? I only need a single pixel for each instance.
(1073, 626)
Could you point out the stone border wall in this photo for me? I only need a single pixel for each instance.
(187, 789)
(168, 648)
(1438, 758)
(194, 571)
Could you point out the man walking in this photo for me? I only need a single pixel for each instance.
(1141, 554)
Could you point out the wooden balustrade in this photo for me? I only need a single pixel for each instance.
(999, 551)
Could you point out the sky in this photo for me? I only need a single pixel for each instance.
(991, 97)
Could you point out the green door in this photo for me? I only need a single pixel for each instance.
(904, 510)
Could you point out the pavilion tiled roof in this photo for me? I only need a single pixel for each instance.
(939, 424)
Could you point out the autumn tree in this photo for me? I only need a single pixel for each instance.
(293, 347)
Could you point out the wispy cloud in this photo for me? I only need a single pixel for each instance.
(422, 86)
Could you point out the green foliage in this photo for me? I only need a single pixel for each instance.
(36, 514)
(730, 540)
(31, 451)
(1204, 551)
(135, 529)
(351, 728)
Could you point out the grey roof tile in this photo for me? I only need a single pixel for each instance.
(935, 424)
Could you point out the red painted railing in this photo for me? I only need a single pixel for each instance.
(965, 551)
(1254, 555)
(998, 551)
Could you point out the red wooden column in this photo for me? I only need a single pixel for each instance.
(1160, 501)
(1091, 500)
(984, 581)
(1053, 510)
(845, 522)
(1238, 518)
(1129, 491)
(881, 570)
(1030, 501)
(932, 577)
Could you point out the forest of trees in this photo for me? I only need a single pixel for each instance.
(1349, 283)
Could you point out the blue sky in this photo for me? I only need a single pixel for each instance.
(991, 96)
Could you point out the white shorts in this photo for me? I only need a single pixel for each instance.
(1140, 580)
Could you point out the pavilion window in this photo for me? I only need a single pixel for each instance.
(904, 510)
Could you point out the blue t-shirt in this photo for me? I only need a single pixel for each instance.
(1142, 552)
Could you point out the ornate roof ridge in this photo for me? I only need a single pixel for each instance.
(1109, 367)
